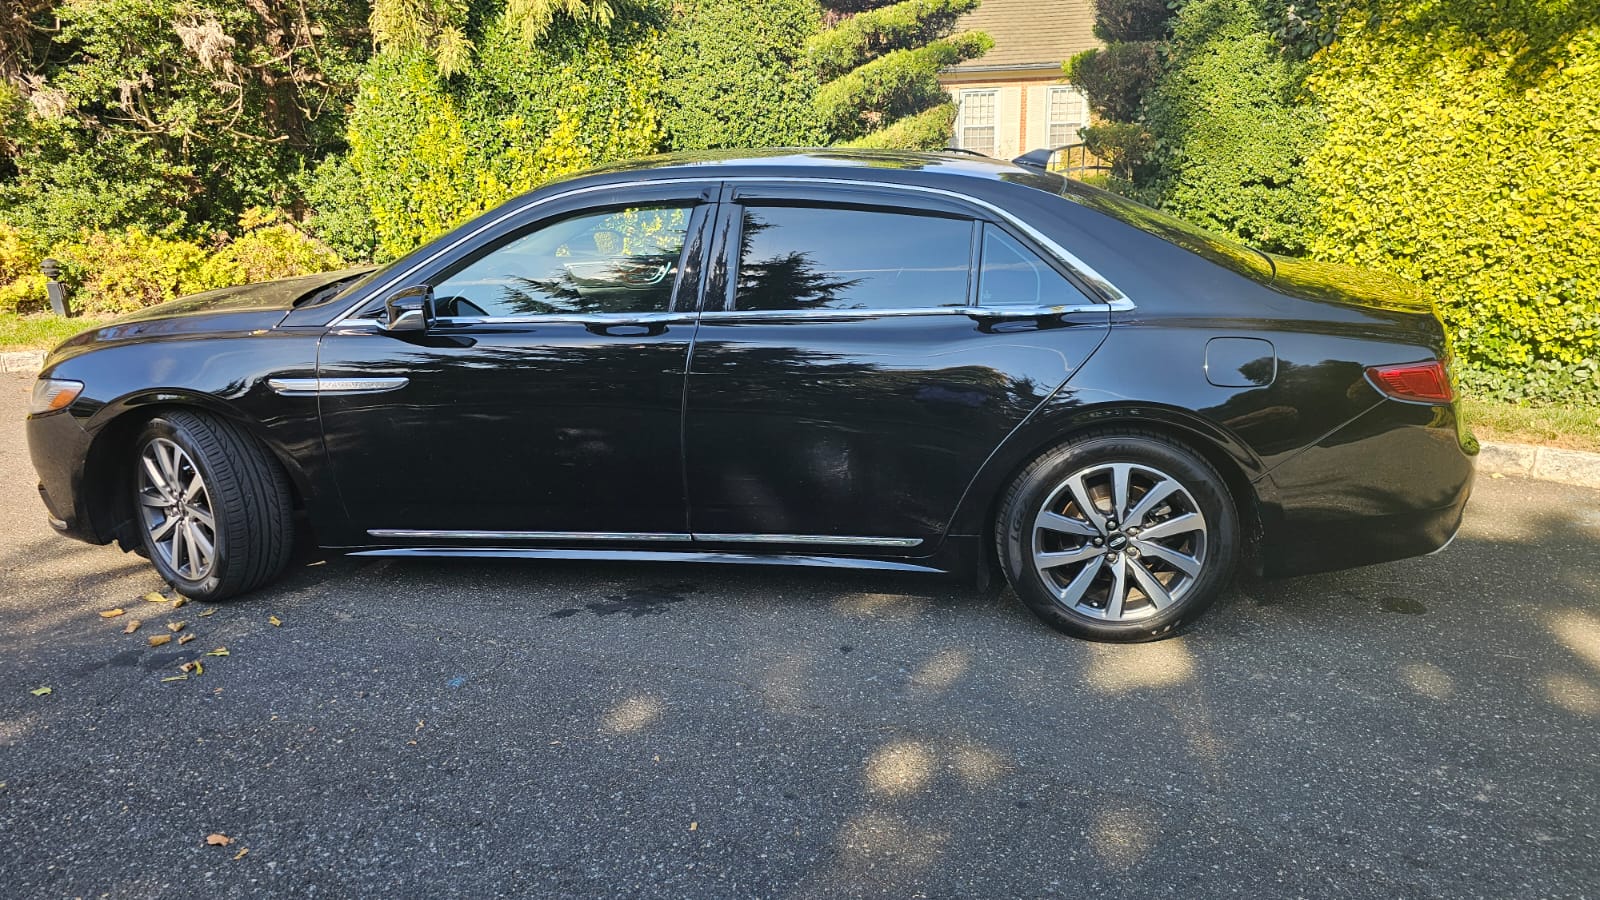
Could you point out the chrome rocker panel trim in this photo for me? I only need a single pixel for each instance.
(689, 556)
(564, 536)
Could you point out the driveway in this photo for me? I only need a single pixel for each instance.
(461, 728)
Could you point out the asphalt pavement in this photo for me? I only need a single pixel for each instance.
(471, 729)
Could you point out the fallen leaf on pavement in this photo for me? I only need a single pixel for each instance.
(111, 613)
(154, 597)
(218, 840)
(176, 627)
(694, 826)
(193, 667)
(187, 638)
(179, 600)
(176, 678)
(132, 626)
(1496, 475)
(40, 691)
(274, 621)
(220, 651)
(157, 640)
(208, 612)
(241, 853)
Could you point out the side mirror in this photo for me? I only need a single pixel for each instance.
(409, 309)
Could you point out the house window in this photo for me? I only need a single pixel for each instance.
(975, 127)
(1069, 111)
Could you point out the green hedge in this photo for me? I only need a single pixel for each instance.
(1455, 163)
(1228, 140)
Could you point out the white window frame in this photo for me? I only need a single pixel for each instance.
(1051, 122)
(962, 126)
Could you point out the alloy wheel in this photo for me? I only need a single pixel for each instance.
(1119, 541)
(175, 507)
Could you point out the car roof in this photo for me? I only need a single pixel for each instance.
(889, 166)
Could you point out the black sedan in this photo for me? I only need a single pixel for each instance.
(921, 363)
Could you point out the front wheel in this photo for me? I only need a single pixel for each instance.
(1118, 536)
(212, 506)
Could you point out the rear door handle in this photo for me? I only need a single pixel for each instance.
(1011, 313)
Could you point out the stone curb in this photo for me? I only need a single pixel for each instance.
(25, 361)
(1527, 460)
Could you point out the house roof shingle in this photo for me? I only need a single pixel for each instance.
(1031, 32)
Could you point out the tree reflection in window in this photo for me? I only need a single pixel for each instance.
(799, 258)
(622, 261)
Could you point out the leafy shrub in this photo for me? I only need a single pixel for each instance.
(1452, 163)
(341, 217)
(866, 35)
(926, 130)
(430, 153)
(1124, 146)
(899, 83)
(1228, 140)
(273, 251)
(121, 271)
(1120, 21)
(21, 283)
(736, 76)
(1116, 77)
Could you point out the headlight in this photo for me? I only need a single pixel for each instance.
(51, 394)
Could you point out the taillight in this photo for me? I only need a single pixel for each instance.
(1420, 382)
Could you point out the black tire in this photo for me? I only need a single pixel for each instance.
(1215, 542)
(247, 495)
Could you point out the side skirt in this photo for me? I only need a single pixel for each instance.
(689, 556)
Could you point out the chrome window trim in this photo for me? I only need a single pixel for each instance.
(716, 315)
(1119, 301)
(655, 318)
(322, 387)
(836, 540)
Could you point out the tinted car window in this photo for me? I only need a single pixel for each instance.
(622, 261)
(800, 257)
(1011, 274)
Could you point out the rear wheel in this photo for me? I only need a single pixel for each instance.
(213, 507)
(1119, 536)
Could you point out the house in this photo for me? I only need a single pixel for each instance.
(1013, 99)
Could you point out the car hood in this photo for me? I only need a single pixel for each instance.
(249, 307)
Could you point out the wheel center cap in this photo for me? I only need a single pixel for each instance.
(1117, 541)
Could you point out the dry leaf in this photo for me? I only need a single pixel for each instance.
(1496, 475)
(241, 853)
(176, 678)
(274, 621)
(157, 640)
(193, 667)
(111, 613)
(208, 612)
(220, 651)
(176, 627)
(132, 626)
(694, 826)
(40, 691)
(187, 638)
(154, 597)
(179, 600)
(218, 840)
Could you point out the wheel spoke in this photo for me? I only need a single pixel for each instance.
(180, 547)
(1181, 524)
(1153, 588)
(199, 548)
(1072, 594)
(1119, 588)
(204, 517)
(149, 499)
(153, 472)
(159, 532)
(1120, 473)
(1183, 562)
(1066, 557)
(196, 484)
(1152, 498)
(169, 463)
(1080, 493)
(1067, 525)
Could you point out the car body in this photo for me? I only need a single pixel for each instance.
(802, 357)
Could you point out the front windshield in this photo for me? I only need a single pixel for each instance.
(1214, 247)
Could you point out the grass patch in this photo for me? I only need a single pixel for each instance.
(1568, 427)
(40, 331)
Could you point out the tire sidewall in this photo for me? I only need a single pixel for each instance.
(212, 584)
(1036, 483)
